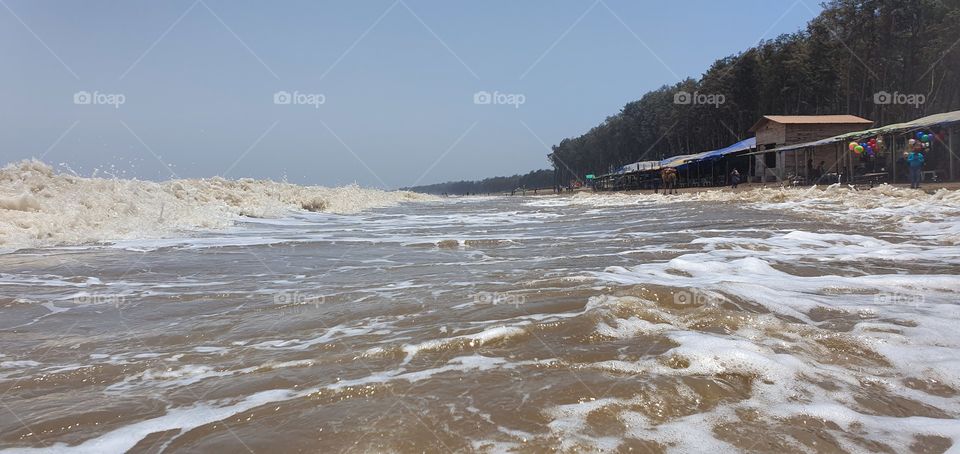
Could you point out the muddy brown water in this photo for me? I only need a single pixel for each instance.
(489, 325)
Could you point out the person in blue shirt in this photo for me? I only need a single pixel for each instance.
(915, 161)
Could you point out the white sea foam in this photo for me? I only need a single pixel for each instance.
(181, 419)
(41, 207)
(904, 326)
(185, 419)
(930, 215)
(189, 374)
(472, 340)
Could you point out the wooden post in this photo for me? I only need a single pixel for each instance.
(796, 170)
(891, 146)
(893, 160)
(846, 166)
(952, 151)
(836, 158)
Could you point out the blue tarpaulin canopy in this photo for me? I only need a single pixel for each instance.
(742, 145)
(680, 161)
(677, 161)
(638, 166)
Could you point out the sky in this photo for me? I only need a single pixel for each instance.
(381, 93)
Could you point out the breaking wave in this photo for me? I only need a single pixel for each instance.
(41, 207)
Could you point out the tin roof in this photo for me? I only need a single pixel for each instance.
(810, 120)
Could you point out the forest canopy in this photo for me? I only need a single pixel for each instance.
(876, 59)
(536, 179)
(871, 58)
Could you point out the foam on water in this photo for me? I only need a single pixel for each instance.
(905, 329)
(806, 319)
(185, 419)
(930, 215)
(44, 208)
(182, 419)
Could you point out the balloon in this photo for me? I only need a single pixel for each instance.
(925, 138)
(911, 141)
(919, 134)
(852, 145)
(859, 149)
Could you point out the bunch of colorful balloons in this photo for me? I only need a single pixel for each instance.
(871, 146)
(925, 138)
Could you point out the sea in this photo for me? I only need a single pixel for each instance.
(215, 315)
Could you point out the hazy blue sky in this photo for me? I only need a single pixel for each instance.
(397, 78)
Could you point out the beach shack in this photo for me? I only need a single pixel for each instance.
(777, 131)
(708, 168)
(711, 168)
(936, 135)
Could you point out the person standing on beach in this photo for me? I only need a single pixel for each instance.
(734, 178)
(915, 161)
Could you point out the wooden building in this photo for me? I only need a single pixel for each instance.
(886, 165)
(775, 131)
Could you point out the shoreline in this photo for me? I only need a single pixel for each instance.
(744, 187)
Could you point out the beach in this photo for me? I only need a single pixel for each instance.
(401, 226)
(768, 319)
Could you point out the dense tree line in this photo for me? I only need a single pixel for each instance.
(840, 64)
(537, 179)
